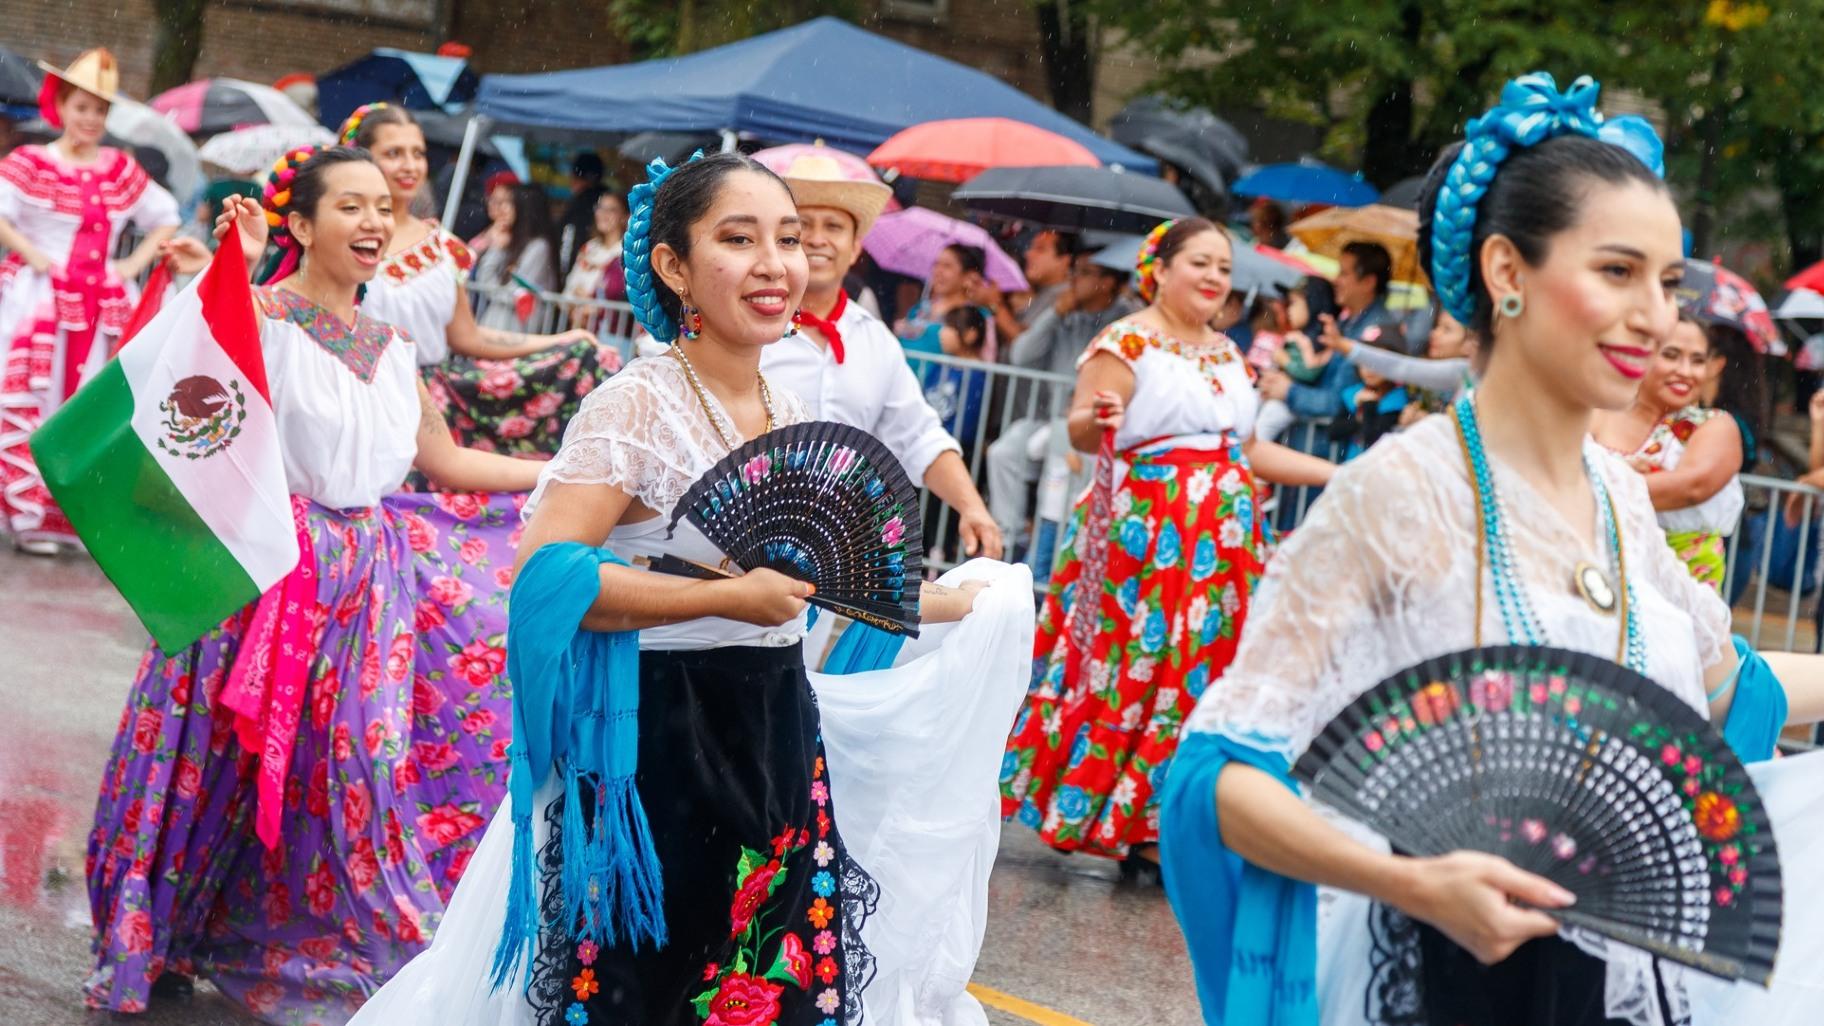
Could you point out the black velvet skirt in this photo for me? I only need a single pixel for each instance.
(762, 906)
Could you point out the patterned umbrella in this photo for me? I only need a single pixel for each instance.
(213, 105)
(253, 150)
(906, 242)
(1394, 229)
(1712, 292)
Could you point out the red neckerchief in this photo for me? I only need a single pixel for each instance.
(827, 327)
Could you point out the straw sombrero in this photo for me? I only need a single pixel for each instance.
(823, 177)
(93, 71)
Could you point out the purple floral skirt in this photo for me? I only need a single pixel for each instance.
(400, 760)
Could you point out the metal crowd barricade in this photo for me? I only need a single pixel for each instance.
(552, 312)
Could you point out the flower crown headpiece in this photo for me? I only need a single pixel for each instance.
(636, 250)
(352, 126)
(1532, 110)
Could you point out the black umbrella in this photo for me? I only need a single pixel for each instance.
(1206, 147)
(1404, 193)
(20, 81)
(1075, 198)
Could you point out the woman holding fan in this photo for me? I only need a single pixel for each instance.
(502, 391)
(298, 857)
(1501, 522)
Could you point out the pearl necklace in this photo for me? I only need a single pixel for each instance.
(709, 409)
(1518, 617)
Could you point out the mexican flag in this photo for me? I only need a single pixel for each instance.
(525, 299)
(168, 462)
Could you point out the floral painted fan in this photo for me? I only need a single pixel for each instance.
(1579, 770)
(824, 503)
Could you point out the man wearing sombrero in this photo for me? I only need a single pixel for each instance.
(843, 361)
(63, 299)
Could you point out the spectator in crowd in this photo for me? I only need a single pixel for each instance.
(956, 275)
(1432, 381)
(1053, 342)
(518, 251)
(1689, 454)
(1361, 290)
(1267, 220)
(1372, 407)
(577, 223)
(598, 273)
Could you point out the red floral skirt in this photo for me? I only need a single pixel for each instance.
(1090, 748)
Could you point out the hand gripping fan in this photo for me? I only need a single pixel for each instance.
(1579, 770)
(824, 503)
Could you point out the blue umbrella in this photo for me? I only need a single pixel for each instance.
(1306, 182)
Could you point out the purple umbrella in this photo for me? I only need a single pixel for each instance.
(907, 241)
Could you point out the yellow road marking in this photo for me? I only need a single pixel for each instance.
(1022, 1008)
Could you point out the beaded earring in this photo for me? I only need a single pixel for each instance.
(690, 319)
(1513, 305)
(797, 319)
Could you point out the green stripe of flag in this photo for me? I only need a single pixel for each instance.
(172, 569)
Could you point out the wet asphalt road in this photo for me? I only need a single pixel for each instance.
(1062, 932)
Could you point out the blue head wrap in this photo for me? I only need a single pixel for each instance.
(1531, 111)
(1635, 134)
(636, 253)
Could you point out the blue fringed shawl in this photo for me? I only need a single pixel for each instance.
(576, 711)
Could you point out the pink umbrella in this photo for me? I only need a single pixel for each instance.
(907, 241)
(779, 160)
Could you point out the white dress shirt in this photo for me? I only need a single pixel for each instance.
(873, 388)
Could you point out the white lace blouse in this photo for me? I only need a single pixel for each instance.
(645, 432)
(1381, 576)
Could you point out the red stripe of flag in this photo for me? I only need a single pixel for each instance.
(227, 301)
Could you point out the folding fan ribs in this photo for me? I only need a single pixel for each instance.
(1579, 770)
(821, 502)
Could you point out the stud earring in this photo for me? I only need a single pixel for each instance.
(1513, 305)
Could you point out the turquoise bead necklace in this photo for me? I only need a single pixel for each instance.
(1495, 553)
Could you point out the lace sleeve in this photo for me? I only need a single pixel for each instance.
(630, 433)
(1323, 624)
(1645, 541)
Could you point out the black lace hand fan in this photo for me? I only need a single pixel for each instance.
(824, 503)
(1579, 770)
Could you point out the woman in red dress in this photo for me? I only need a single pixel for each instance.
(63, 298)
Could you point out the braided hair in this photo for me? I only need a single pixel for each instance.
(296, 185)
(661, 210)
(1517, 174)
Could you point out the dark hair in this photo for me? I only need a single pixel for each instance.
(683, 198)
(1371, 258)
(1538, 192)
(382, 114)
(302, 184)
(973, 258)
(1068, 244)
(1181, 232)
(588, 164)
(968, 318)
(1742, 389)
(619, 198)
(531, 220)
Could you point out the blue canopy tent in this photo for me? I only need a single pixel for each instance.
(821, 79)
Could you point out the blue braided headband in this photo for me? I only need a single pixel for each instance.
(636, 253)
(1531, 111)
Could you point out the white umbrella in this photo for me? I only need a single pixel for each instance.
(139, 125)
(251, 151)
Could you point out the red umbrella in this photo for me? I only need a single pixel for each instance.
(1810, 278)
(959, 149)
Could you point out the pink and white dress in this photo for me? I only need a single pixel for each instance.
(57, 329)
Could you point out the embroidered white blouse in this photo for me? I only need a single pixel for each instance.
(346, 400)
(644, 431)
(1191, 394)
(417, 289)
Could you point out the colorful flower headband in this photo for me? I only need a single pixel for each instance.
(275, 199)
(1146, 266)
(352, 126)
